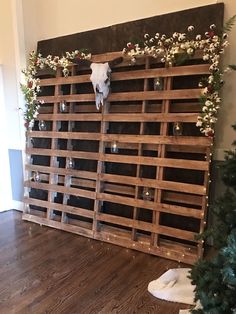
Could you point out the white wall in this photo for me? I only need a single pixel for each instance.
(11, 126)
(10, 72)
(52, 18)
(227, 115)
(5, 182)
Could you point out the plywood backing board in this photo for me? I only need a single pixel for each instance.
(150, 195)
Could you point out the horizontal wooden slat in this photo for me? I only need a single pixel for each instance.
(60, 189)
(181, 211)
(177, 233)
(58, 225)
(129, 75)
(128, 96)
(65, 135)
(144, 117)
(131, 108)
(162, 72)
(60, 207)
(154, 161)
(175, 252)
(165, 185)
(119, 189)
(145, 139)
(158, 139)
(62, 171)
(63, 153)
(125, 200)
(152, 107)
(70, 117)
(74, 182)
(151, 117)
(182, 198)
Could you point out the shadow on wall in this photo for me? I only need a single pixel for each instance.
(16, 171)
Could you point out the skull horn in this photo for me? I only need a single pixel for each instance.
(115, 61)
(82, 63)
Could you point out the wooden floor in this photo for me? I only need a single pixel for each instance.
(44, 270)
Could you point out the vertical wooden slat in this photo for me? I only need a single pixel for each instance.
(140, 145)
(67, 180)
(100, 169)
(53, 160)
(161, 153)
(204, 203)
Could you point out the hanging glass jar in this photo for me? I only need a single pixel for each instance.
(36, 176)
(63, 106)
(147, 194)
(177, 129)
(42, 125)
(158, 83)
(114, 147)
(70, 163)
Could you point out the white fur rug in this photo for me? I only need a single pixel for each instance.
(174, 286)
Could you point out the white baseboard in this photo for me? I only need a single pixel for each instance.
(12, 205)
(17, 205)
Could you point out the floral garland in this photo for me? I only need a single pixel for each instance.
(179, 46)
(31, 87)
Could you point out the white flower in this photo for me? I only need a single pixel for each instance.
(133, 60)
(212, 26)
(159, 51)
(199, 123)
(208, 103)
(225, 44)
(146, 36)
(206, 57)
(213, 120)
(210, 79)
(190, 28)
(182, 36)
(213, 67)
(175, 50)
(31, 123)
(198, 37)
(175, 35)
(205, 91)
(190, 51)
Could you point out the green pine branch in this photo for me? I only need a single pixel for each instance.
(229, 24)
(232, 67)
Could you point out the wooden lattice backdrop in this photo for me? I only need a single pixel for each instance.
(103, 196)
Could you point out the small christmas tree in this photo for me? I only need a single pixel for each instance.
(215, 280)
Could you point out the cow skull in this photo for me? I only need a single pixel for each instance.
(100, 79)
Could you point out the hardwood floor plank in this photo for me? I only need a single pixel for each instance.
(44, 270)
